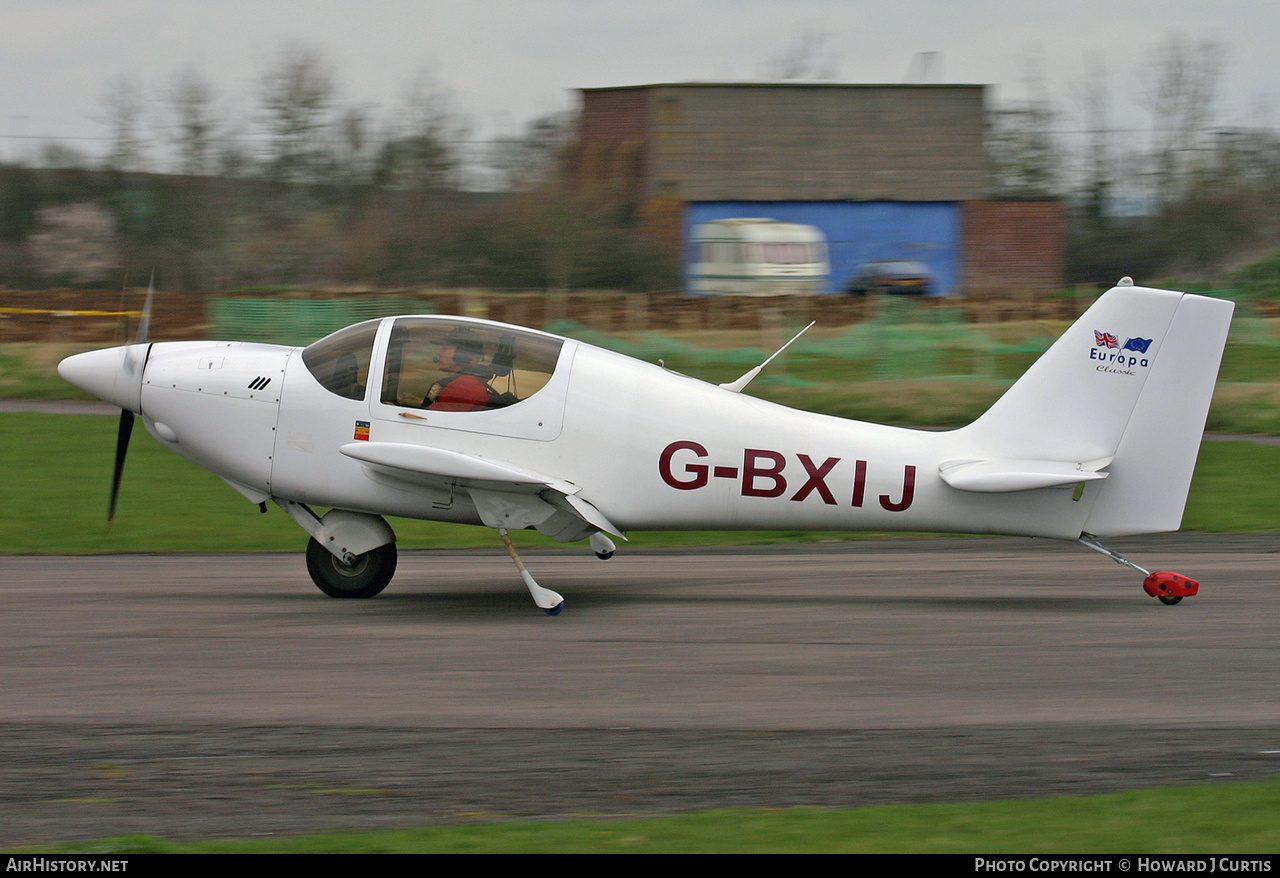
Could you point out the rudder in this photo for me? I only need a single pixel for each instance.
(1146, 491)
(1118, 402)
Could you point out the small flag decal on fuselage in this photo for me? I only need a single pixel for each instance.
(362, 430)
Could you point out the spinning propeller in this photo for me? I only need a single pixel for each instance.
(135, 362)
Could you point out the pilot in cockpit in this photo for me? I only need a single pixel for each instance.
(465, 387)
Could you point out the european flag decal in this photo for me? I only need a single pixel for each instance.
(1137, 344)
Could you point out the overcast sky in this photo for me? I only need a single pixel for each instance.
(507, 61)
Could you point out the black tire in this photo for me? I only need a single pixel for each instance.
(1169, 600)
(365, 578)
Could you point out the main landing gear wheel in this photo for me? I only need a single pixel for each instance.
(365, 577)
(1166, 599)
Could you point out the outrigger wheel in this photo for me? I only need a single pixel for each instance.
(363, 576)
(1169, 587)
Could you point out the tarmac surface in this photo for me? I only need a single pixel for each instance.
(200, 696)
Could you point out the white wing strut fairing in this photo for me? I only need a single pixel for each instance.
(470, 421)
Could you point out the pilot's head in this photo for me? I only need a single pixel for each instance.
(459, 349)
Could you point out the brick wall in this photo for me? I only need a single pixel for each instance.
(610, 154)
(1012, 247)
(788, 141)
(818, 142)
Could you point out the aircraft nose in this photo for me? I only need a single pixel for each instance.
(113, 375)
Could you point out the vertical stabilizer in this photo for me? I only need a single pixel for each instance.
(1074, 402)
(1121, 397)
(1146, 491)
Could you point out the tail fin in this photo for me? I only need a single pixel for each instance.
(1124, 391)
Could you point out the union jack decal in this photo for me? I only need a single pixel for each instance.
(1105, 339)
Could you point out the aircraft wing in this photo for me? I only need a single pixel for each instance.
(506, 496)
(451, 466)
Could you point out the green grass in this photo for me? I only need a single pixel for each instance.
(55, 473)
(1246, 408)
(1235, 489)
(30, 371)
(1228, 818)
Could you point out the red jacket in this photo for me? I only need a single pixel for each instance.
(462, 393)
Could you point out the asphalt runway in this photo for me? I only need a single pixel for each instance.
(195, 696)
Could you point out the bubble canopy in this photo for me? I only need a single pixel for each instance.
(449, 364)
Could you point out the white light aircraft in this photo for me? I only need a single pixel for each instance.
(467, 420)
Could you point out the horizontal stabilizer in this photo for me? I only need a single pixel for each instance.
(1002, 476)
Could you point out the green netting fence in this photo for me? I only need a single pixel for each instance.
(901, 341)
(301, 321)
(904, 342)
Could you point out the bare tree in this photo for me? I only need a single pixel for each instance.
(1020, 140)
(1098, 172)
(421, 151)
(233, 158)
(532, 159)
(806, 57)
(190, 101)
(55, 154)
(354, 146)
(1178, 83)
(123, 110)
(925, 67)
(296, 96)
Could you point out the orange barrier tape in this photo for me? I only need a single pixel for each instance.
(61, 313)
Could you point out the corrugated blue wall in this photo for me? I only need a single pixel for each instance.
(858, 231)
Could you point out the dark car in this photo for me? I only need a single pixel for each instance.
(903, 277)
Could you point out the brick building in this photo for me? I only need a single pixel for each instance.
(885, 171)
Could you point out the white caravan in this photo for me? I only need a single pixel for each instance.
(757, 257)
